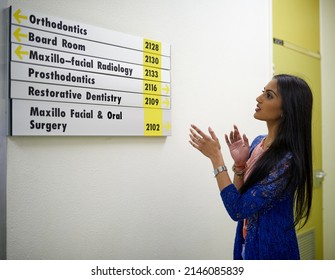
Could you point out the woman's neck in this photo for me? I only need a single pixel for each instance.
(272, 133)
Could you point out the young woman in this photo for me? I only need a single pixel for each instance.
(272, 187)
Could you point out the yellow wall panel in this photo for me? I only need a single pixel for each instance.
(297, 21)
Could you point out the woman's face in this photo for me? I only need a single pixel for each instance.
(269, 104)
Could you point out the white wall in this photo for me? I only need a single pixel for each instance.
(137, 197)
(327, 20)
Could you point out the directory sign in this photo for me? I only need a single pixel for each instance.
(70, 78)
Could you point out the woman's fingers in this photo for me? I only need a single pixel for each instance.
(245, 140)
(227, 140)
(234, 136)
(196, 134)
(198, 131)
(212, 133)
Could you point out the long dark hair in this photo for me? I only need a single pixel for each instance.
(294, 136)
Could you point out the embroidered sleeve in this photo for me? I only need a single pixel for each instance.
(261, 196)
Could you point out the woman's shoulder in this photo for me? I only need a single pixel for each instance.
(259, 138)
(256, 141)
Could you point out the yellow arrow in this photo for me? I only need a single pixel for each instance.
(167, 125)
(17, 15)
(166, 88)
(19, 52)
(17, 34)
(166, 102)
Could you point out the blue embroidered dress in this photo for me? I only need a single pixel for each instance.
(269, 208)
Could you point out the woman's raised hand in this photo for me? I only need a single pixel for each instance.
(238, 146)
(208, 145)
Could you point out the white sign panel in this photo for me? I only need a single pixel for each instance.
(64, 93)
(50, 118)
(43, 39)
(69, 78)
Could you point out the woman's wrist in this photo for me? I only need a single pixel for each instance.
(217, 160)
(239, 170)
(239, 165)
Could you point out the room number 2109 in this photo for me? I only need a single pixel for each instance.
(151, 101)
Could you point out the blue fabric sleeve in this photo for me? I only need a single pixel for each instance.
(260, 197)
(255, 142)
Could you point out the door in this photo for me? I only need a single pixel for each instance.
(296, 32)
